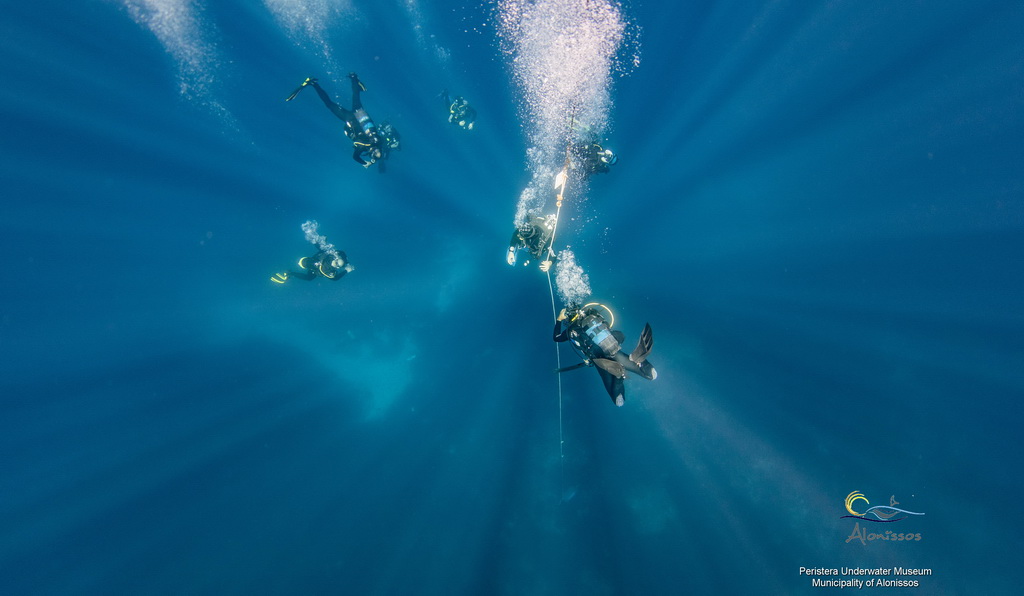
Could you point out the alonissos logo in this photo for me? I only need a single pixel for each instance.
(882, 513)
(879, 514)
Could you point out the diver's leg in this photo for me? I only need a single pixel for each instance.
(305, 274)
(357, 87)
(335, 109)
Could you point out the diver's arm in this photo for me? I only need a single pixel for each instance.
(516, 241)
(357, 155)
(560, 334)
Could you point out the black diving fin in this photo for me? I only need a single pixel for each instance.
(644, 346)
(355, 78)
(308, 81)
(573, 367)
(638, 358)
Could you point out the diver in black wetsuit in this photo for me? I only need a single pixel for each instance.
(534, 236)
(593, 159)
(330, 265)
(592, 337)
(367, 142)
(460, 113)
(390, 141)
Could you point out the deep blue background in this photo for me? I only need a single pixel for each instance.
(818, 208)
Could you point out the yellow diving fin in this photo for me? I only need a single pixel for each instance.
(279, 278)
(308, 81)
(355, 77)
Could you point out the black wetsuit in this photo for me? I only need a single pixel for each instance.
(390, 141)
(535, 236)
(593, 159)
(319, 265)
(460, 113)
(599, 345)
(366, 143)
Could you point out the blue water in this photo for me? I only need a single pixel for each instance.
(818, 208)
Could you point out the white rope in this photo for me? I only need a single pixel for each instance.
(564, 175)
(558, 360)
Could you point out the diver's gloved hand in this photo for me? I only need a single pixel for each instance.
(561, 315)
(545, 266)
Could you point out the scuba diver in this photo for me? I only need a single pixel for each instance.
(390, 141)
(328, 264)
(460, 113)
(535, 236)
(592, 337)
(593, 159)
(367, 142)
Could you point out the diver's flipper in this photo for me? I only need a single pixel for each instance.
(355, 78)
(647, 370)
(611, 366)
(308, 81)
(614, 386)
(573, 367)
(279, 278)
(644, 346)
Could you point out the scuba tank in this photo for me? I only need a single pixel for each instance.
(363, 129)
(600, 335)
(592, 335)
(366, 126)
